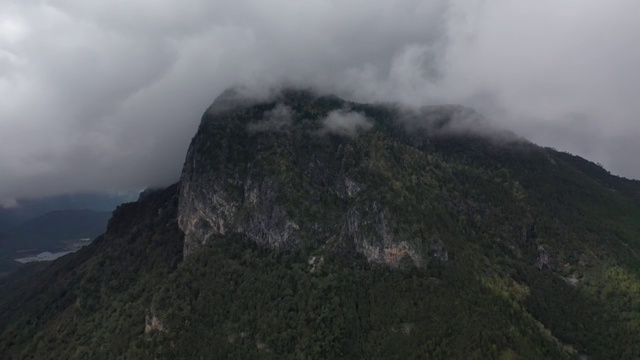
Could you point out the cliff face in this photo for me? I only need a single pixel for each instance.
(225, 188)
(291, 172)
(435, 189)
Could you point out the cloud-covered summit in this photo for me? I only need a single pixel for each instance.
(342, 122)
(105, 95)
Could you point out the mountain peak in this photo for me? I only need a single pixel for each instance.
(427, 120)
(237, 169)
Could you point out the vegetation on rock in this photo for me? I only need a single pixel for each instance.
(410, 235)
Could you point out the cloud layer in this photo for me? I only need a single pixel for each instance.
(105, 95)
(348, 123)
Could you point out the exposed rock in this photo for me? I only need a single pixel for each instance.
(352, 187)
(438, 250)
(404, 328)
(571, 280)
(315, 262)
(272, 187)
(373, 238)
(152, 324)
(261, 346)
(543, 259)
(205, 213)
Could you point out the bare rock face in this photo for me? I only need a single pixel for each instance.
(152, 324)
(368, 229)
(225, 188)
(543, 259)
(274, 173)
(212, 207)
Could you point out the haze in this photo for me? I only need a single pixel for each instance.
(105, 95)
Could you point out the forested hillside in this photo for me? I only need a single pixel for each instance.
(309, 227)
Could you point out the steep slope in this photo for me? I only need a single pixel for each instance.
(313, 227)
(95, 300)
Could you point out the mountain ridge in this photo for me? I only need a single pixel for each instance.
(306, 226)
(56, 226)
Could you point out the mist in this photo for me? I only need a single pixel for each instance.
(341, 122)
(104, 96)
(278, 119)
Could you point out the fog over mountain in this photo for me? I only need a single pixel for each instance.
(105, 95)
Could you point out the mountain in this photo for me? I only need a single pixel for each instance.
(28, 209)
(49, 232)
(306, 226)
(52, 229)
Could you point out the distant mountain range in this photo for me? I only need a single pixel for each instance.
(27, 209)
(53, 228)
(46, 223)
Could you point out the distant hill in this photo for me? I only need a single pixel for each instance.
(27, 221)
(7, 220)
(28, 209)
(53, 228)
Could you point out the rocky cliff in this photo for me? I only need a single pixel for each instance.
(309, 227)
(296, 170)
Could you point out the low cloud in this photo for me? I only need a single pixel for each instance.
(457, 120)
(342, 122)
(105, 95)
(9, 204)
(278, 119)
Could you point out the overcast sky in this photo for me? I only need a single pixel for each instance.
(105, 95)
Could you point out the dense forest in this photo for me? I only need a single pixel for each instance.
(517, 251)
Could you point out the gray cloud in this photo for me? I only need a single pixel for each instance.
(105, 95)
(454, 120)
(277, 120)
(343, 122)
